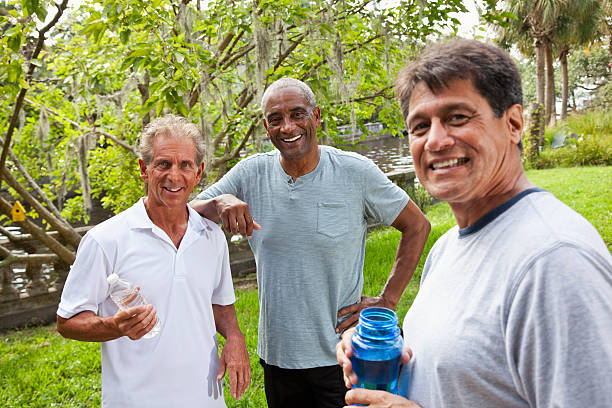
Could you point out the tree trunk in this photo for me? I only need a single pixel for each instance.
(550, 112)
(532, 136)
(540, 82)
(565, 90)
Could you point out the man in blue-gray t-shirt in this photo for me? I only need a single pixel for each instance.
(312, 203)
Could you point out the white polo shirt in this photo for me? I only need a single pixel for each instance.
(178, 367)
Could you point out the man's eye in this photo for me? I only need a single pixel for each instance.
(299, 115)
(458, 119)
(163, 164)
(419, 129)
(185, 165)
(274, 121)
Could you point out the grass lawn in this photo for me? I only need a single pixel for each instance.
(38, 368)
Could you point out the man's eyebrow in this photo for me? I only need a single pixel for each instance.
(444, 109)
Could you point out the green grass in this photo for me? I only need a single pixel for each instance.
(38, 368)
(588, 190)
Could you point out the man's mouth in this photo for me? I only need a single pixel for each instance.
(449, 163)
(293, 139)
(172, 190)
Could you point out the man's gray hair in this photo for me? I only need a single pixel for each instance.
(287, 82)
(174, 126)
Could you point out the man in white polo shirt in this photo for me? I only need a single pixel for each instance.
(180, 260)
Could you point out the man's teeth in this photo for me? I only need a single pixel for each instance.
(293, 139)
(449, 163)
(174, 190)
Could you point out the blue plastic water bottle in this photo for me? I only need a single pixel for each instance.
(377, 348)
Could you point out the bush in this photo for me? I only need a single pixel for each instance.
(589, 142)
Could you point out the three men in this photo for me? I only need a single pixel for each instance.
(313, 203)
(181, 261)
(515, 303)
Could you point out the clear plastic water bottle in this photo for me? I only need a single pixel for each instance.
(125, 295)
(377, 348)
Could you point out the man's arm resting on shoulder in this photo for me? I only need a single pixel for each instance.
(233, 212)
(415, 229)
(88, 326)
(234, 357)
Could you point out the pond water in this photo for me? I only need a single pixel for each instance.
(389, 153)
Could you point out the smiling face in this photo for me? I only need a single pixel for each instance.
(172, 174)
(291, 124)
(462, 152)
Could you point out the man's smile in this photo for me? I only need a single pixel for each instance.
(293, 139)
(449, 163)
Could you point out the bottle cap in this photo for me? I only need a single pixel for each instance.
(112, 278)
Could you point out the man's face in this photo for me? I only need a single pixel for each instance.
(291, 123)
(173, 173)
(461, 151)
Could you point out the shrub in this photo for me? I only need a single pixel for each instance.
(589, 142)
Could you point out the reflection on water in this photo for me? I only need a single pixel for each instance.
(20, 280)
(389, 153)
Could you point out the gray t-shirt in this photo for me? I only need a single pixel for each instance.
(514, 311)
(311, 246)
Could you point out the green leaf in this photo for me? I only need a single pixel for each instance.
(139, 52)
(125, 36)
(14, 71)
(160, 107)
(14, 42)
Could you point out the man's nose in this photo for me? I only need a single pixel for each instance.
(173, 171)
(438, 138)
(287, 124)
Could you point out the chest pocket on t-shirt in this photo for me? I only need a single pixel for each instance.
(332, 219)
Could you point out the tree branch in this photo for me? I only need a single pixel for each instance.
(382, 92)
(66, 255)
(80, 129)
(19, 102)
(66, 231)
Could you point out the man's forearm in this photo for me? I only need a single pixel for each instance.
(415, 229)
(87, 326)
(206, 208)
(226, 321)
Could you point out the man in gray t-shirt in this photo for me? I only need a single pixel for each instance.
(515, 304)
(312, 203)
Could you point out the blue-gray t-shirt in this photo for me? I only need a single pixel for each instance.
(311, 246)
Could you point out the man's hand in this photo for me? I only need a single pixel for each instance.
(377, 399)
(235, 215)
(235, 361)
(344, 351)
(356, 308)
(135, 322)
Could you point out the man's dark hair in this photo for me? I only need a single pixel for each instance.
(493, 73)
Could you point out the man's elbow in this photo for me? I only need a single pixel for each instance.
(61, 325)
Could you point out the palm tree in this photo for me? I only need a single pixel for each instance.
(536, 21)
(577, 26)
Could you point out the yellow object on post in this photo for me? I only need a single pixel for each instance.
(18, 212)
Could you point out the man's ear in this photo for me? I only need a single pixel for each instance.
(199, 172)
(143, 170)
(266, 126)
(317, 116)
(515, 122)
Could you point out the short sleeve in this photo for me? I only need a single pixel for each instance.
(229, 184)
(223, 293)
(559, 328)
(86, 286)
(383, 199)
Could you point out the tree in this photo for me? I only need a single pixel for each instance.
(79, 90)
(577, 26)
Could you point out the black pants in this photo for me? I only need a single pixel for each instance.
(319, 387)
